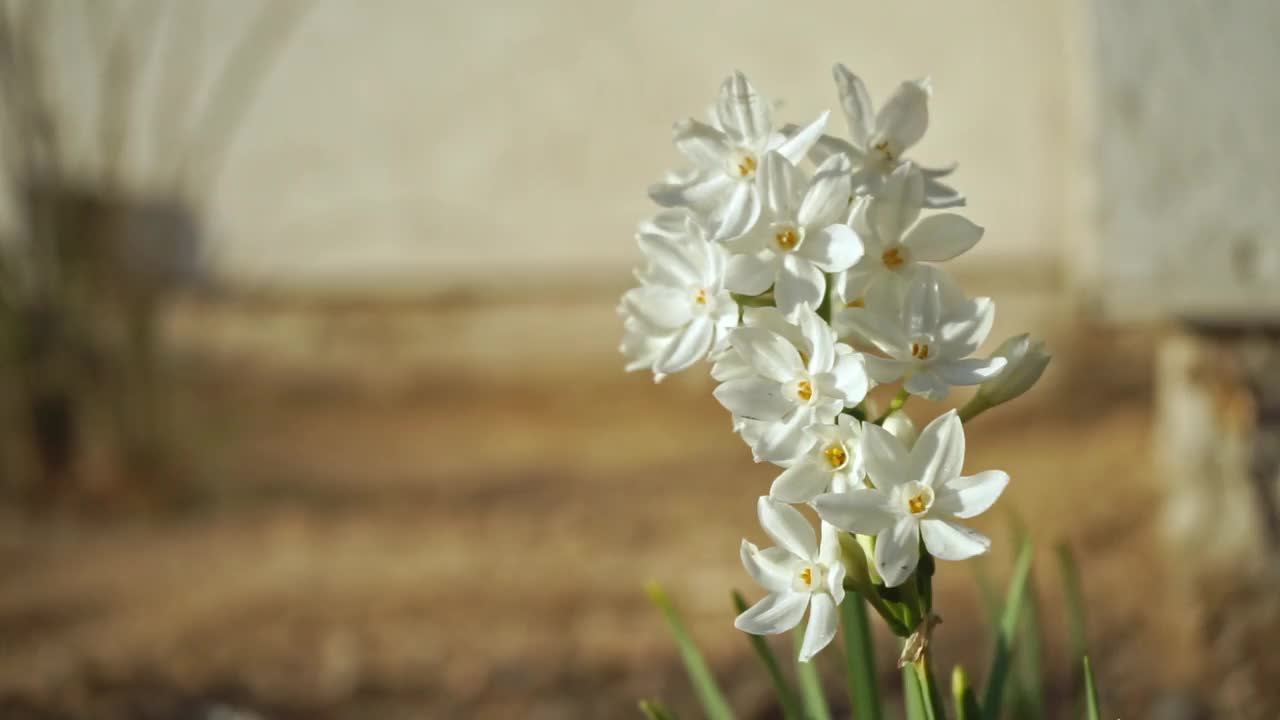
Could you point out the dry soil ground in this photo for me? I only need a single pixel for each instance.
(397, 519)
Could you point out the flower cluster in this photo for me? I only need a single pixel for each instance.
(806, 269)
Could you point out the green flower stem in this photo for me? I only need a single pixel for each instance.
(898, 402)
(764, 299)
(934, 708)
(975, 407)
(864, 692)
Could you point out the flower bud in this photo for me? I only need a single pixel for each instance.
(1027, 360)
(900, 426)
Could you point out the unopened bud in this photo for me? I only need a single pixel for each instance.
(900, 426)
(1026, 361)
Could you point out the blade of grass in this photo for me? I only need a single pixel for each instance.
(912, 700)
(704, 683)
(966, 703)
(993, 696)
(811, 692)
(787, 698)
(1077, 626)
(654, 710)
(860, 659)
(1090, 692)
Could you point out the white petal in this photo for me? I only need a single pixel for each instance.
(876, 329)
(851, 377)
(749, 274)
(855, 101)
(703, 144)
(938, 195)
(941, 237)
(784, 186)
(795, 147)
(898, 551)
(829, 548)
(938, 454)
(775, 613)
(784, 440)
(923, 306)
(819, 338)
(658, 306)
(739, 214)
(926, 384)
(774, 569)
(702, 189)
(861, 511)
(826, 200)
(689, 346)
(788, 528)
(948, 541)
(823, 621)
(835, 248)
(741, 111)
(885, 456)
(970, 371)
(897, 204)
(967, 497)
(904, 118)
(671, 256)
(886, 370)
(800, 483)
(768, 352)
(799, 283)
(754, 398)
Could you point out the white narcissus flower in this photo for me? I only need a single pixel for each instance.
(916, 495)
(725, 184)
(681, 311)
(789, 388)
(833, 463)
(1026, 361)
(799, 573)
(895, 244)
(799, 237)
(930, 342)
(880, 140)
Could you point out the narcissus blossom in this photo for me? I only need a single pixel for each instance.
(790, 388)
(800, 237)
(930, 341)
(681, 311)
(895, 244)
(799, 574)
(916, 494)
(725, 184)
(833, 463)
(879, 141)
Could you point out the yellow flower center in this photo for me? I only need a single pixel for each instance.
(917, 504)
(787, 238)
(920, 351)
(858, 302)
(700, 297)
(806, 575)
(883, 148)
(892, 258)
(804, 389)
(747, 165)
(836, 455)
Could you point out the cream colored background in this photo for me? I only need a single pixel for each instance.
(428, 145)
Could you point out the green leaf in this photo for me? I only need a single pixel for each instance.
(912, 699)
(993, 697)
(704, 683)
(860, 657)
(1090, 692)
(1077, 627)
(966, 703)
(1028, 691)
(791, 709)
(815, 699)
(654, 710)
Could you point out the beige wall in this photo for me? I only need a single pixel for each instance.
(432, 144)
